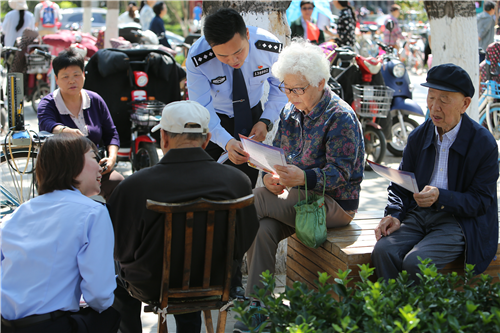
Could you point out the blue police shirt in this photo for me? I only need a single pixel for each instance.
(56, 247)
(210, 82)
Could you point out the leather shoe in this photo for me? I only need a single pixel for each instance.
(237, 292)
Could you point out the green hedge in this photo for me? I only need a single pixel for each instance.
(439, 304)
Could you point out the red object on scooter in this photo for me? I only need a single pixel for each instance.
(141, 79)
(368, 67)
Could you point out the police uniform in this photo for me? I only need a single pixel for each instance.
(210, 83)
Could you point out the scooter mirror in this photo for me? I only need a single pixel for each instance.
(389, 25)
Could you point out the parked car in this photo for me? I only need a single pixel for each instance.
(71, 16)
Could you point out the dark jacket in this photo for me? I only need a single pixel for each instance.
(157, 26)
(298, 31)
(181, 175)
(472, 194)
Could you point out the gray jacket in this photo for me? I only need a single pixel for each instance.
(485, 29)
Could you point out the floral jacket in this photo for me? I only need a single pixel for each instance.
(329, 138)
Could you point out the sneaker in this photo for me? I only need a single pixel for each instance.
(257, 321)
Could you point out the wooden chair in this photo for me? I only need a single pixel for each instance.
(208, 296)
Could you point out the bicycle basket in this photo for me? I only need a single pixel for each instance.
(146, 113)
(372, 101)
(37, 63)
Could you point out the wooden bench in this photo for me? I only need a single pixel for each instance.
(345, 248)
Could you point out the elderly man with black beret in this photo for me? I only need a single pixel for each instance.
(455, 162)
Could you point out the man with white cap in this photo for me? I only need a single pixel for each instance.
(186, 172)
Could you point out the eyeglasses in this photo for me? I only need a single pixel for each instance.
(296, 91)
(307, 8)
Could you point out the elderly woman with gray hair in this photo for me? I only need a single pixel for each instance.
(319, 133)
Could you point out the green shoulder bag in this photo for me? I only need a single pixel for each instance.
(310, 221)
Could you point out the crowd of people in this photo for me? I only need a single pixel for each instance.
(62, 244)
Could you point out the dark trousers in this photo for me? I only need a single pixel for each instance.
(424, 233)
(86, 320)
(130, 310)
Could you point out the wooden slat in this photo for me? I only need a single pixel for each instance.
(209, 325)
(188, 250)
(231, 228)
(209, 241)
(295, 276)
(167, 249)
(319, 252)
(313, 265)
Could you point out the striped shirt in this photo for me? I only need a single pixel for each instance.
(439, 177)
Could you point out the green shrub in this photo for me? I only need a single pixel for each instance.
(439, 304)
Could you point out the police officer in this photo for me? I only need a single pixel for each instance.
(226, 72)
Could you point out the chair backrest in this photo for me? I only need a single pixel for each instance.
(189, 209)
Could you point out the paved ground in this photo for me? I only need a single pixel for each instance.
(373, 197)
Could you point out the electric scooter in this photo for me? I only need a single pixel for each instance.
(398, 124)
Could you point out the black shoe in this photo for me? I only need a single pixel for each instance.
(237, 292)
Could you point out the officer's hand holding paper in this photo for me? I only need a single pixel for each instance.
(262, 156)
(404, 179)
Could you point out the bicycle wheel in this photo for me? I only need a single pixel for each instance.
(398, 143)
(375, 145)
(494, 120)
(17, 176)
(41, 91)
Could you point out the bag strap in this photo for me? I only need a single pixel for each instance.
(324, 183)
(305, 177)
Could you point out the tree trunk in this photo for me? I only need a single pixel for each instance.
(87, 16)
(111, 22)
(454, 39)
(271, 16)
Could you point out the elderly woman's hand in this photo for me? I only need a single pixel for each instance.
(272, 184)
(290, 175)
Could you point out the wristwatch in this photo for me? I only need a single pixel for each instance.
(268, 123)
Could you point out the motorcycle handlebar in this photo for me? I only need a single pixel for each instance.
(45, 54)
(10, 48)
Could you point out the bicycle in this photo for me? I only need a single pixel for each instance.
(17, 169)
(488, 105)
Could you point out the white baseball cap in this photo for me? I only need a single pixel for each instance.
(177, 115)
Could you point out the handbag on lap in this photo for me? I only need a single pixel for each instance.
(310, 221)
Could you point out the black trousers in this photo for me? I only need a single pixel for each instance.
(130, 310)
(86, 320)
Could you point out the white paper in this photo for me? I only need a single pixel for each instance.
(323, 21)
(262, 156)
(404, 179)
(223, 158)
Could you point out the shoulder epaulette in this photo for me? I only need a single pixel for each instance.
(266, 45)
(202, 58)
